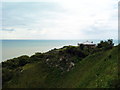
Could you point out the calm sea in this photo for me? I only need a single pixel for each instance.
(15, 48)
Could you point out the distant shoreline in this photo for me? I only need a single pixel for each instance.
(28, 49)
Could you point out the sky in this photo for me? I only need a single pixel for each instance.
(59, 19)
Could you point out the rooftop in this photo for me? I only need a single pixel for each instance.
(88, 43)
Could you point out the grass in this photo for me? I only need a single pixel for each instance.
(95, 71)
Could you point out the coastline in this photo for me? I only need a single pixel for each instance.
(30, 47)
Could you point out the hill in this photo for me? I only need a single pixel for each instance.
(67, 67)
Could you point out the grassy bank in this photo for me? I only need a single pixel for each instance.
(67, 67)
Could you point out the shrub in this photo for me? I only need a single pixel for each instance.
(7, 74)
(106, 44)
(23, 60)
(81, 46)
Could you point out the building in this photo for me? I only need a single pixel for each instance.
(88, 44)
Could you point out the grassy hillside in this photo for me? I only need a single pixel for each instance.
(90, 70)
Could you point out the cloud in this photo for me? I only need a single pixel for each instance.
(61, 19)
(8, 29)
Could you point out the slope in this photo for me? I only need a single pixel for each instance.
(98, 70)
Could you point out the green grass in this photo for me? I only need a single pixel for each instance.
(95, 71)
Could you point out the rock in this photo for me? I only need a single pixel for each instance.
(47, 60)
(56, 65)
(61, 59)
(72, 64)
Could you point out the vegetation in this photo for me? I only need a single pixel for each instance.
(106, 45)
(67, 67)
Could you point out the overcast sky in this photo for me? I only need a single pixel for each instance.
(60, 19)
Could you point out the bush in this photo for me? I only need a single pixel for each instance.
(106, 44)
(114, 83)
(7, 74)
(81, 46)
(16, 62)
(71, 50)
(76, 51)
(23, 60)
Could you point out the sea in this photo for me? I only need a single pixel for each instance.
(14, 48)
